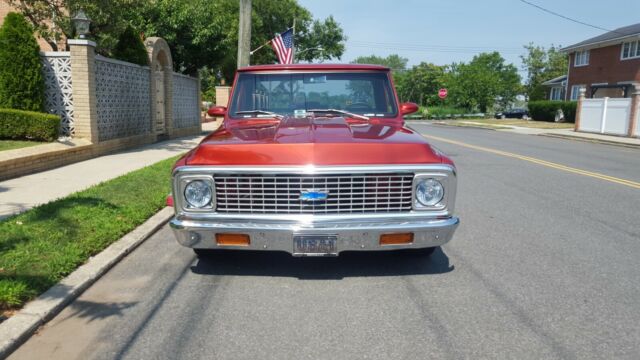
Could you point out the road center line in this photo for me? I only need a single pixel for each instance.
(550, 164)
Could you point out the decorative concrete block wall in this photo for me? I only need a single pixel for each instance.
(122, 98)
(101, 99)
(107, 105)
(186, 109)
(58, 89)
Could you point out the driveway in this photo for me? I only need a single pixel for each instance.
(544, 265)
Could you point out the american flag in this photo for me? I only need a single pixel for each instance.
(282, 44)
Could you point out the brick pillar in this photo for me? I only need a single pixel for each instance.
(222, 95)
(83, 79)
(635, 108)
(583, 93)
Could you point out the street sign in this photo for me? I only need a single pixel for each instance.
(442, 93)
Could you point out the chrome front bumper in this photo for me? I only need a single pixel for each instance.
(354, 235)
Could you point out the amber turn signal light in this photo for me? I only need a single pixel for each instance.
(232, 239)
(396, 239)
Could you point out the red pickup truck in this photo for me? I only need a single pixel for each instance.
(314, 160)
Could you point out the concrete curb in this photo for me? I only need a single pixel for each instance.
(18, 328)
(591, 140)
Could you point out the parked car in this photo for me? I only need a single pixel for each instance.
(314, 160)
(516, 113)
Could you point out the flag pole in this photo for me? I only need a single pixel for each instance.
(293, 48)
(259, 47)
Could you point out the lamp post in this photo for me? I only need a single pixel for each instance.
(82, 23)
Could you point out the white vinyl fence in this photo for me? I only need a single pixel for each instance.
(637, 133)
(605, 116)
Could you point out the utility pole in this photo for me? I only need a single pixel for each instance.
(244, 33)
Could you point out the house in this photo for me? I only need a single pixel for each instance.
(607, 65)
(557, 87)
(5, 8)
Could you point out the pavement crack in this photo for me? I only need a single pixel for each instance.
(518, 311)
(442, 335)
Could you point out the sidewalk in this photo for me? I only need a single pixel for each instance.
(574, 135)
(23, 193)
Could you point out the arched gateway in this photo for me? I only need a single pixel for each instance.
(161, 83)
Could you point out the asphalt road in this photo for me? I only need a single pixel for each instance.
(544, 265)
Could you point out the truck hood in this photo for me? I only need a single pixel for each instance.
(312, 141)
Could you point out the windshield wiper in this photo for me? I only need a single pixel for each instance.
(357, 116)
(262, 112)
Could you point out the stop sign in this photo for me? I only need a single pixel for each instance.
(442, 93)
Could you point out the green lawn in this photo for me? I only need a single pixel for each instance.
(41, 246)
(17, 144)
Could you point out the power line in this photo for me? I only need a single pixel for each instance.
(444, 47)
(416, 49)
(568, 18)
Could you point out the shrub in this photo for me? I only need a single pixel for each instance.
(21, 79)
(130, 48)
(545, 110)
(28, 125)
(443, 112)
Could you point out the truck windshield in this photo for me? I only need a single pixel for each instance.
(364, 93)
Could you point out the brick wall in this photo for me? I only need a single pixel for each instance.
(605, 66)
(5, 8)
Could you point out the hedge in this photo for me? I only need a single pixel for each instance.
(21, 78)
(130, 48)
(28, 125)
(545, 110)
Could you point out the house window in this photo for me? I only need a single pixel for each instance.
(575, 91)
(582, 58)
(556, 93)
(631, 50)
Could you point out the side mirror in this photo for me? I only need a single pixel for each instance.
(217, 111)
(408, 108)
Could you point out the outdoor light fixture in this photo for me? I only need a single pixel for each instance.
(81, 22)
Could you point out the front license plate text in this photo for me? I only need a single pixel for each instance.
(315, 245)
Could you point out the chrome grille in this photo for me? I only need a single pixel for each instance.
(280, 194)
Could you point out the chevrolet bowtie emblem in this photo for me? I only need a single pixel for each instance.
(314, 195)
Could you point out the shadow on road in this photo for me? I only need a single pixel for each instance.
(355, 264)
(91, 310)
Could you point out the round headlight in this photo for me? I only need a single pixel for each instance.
(429, 192)
(198, 194)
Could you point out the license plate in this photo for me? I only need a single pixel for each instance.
(315, 245)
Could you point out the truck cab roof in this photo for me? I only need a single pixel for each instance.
(312, 67)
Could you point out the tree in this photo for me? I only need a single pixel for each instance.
(398, 66)
(421, 84)
(484, 82)
(195, 30)
(200, 33)
(52, 19)
(326, 34)
(541, 65)
(21, 80)
(131, 48)
(394, 61)
(41, 15)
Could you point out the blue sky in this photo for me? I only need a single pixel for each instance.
(445, 31)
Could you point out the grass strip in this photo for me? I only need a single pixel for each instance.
(17, 144)
(43, 245)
